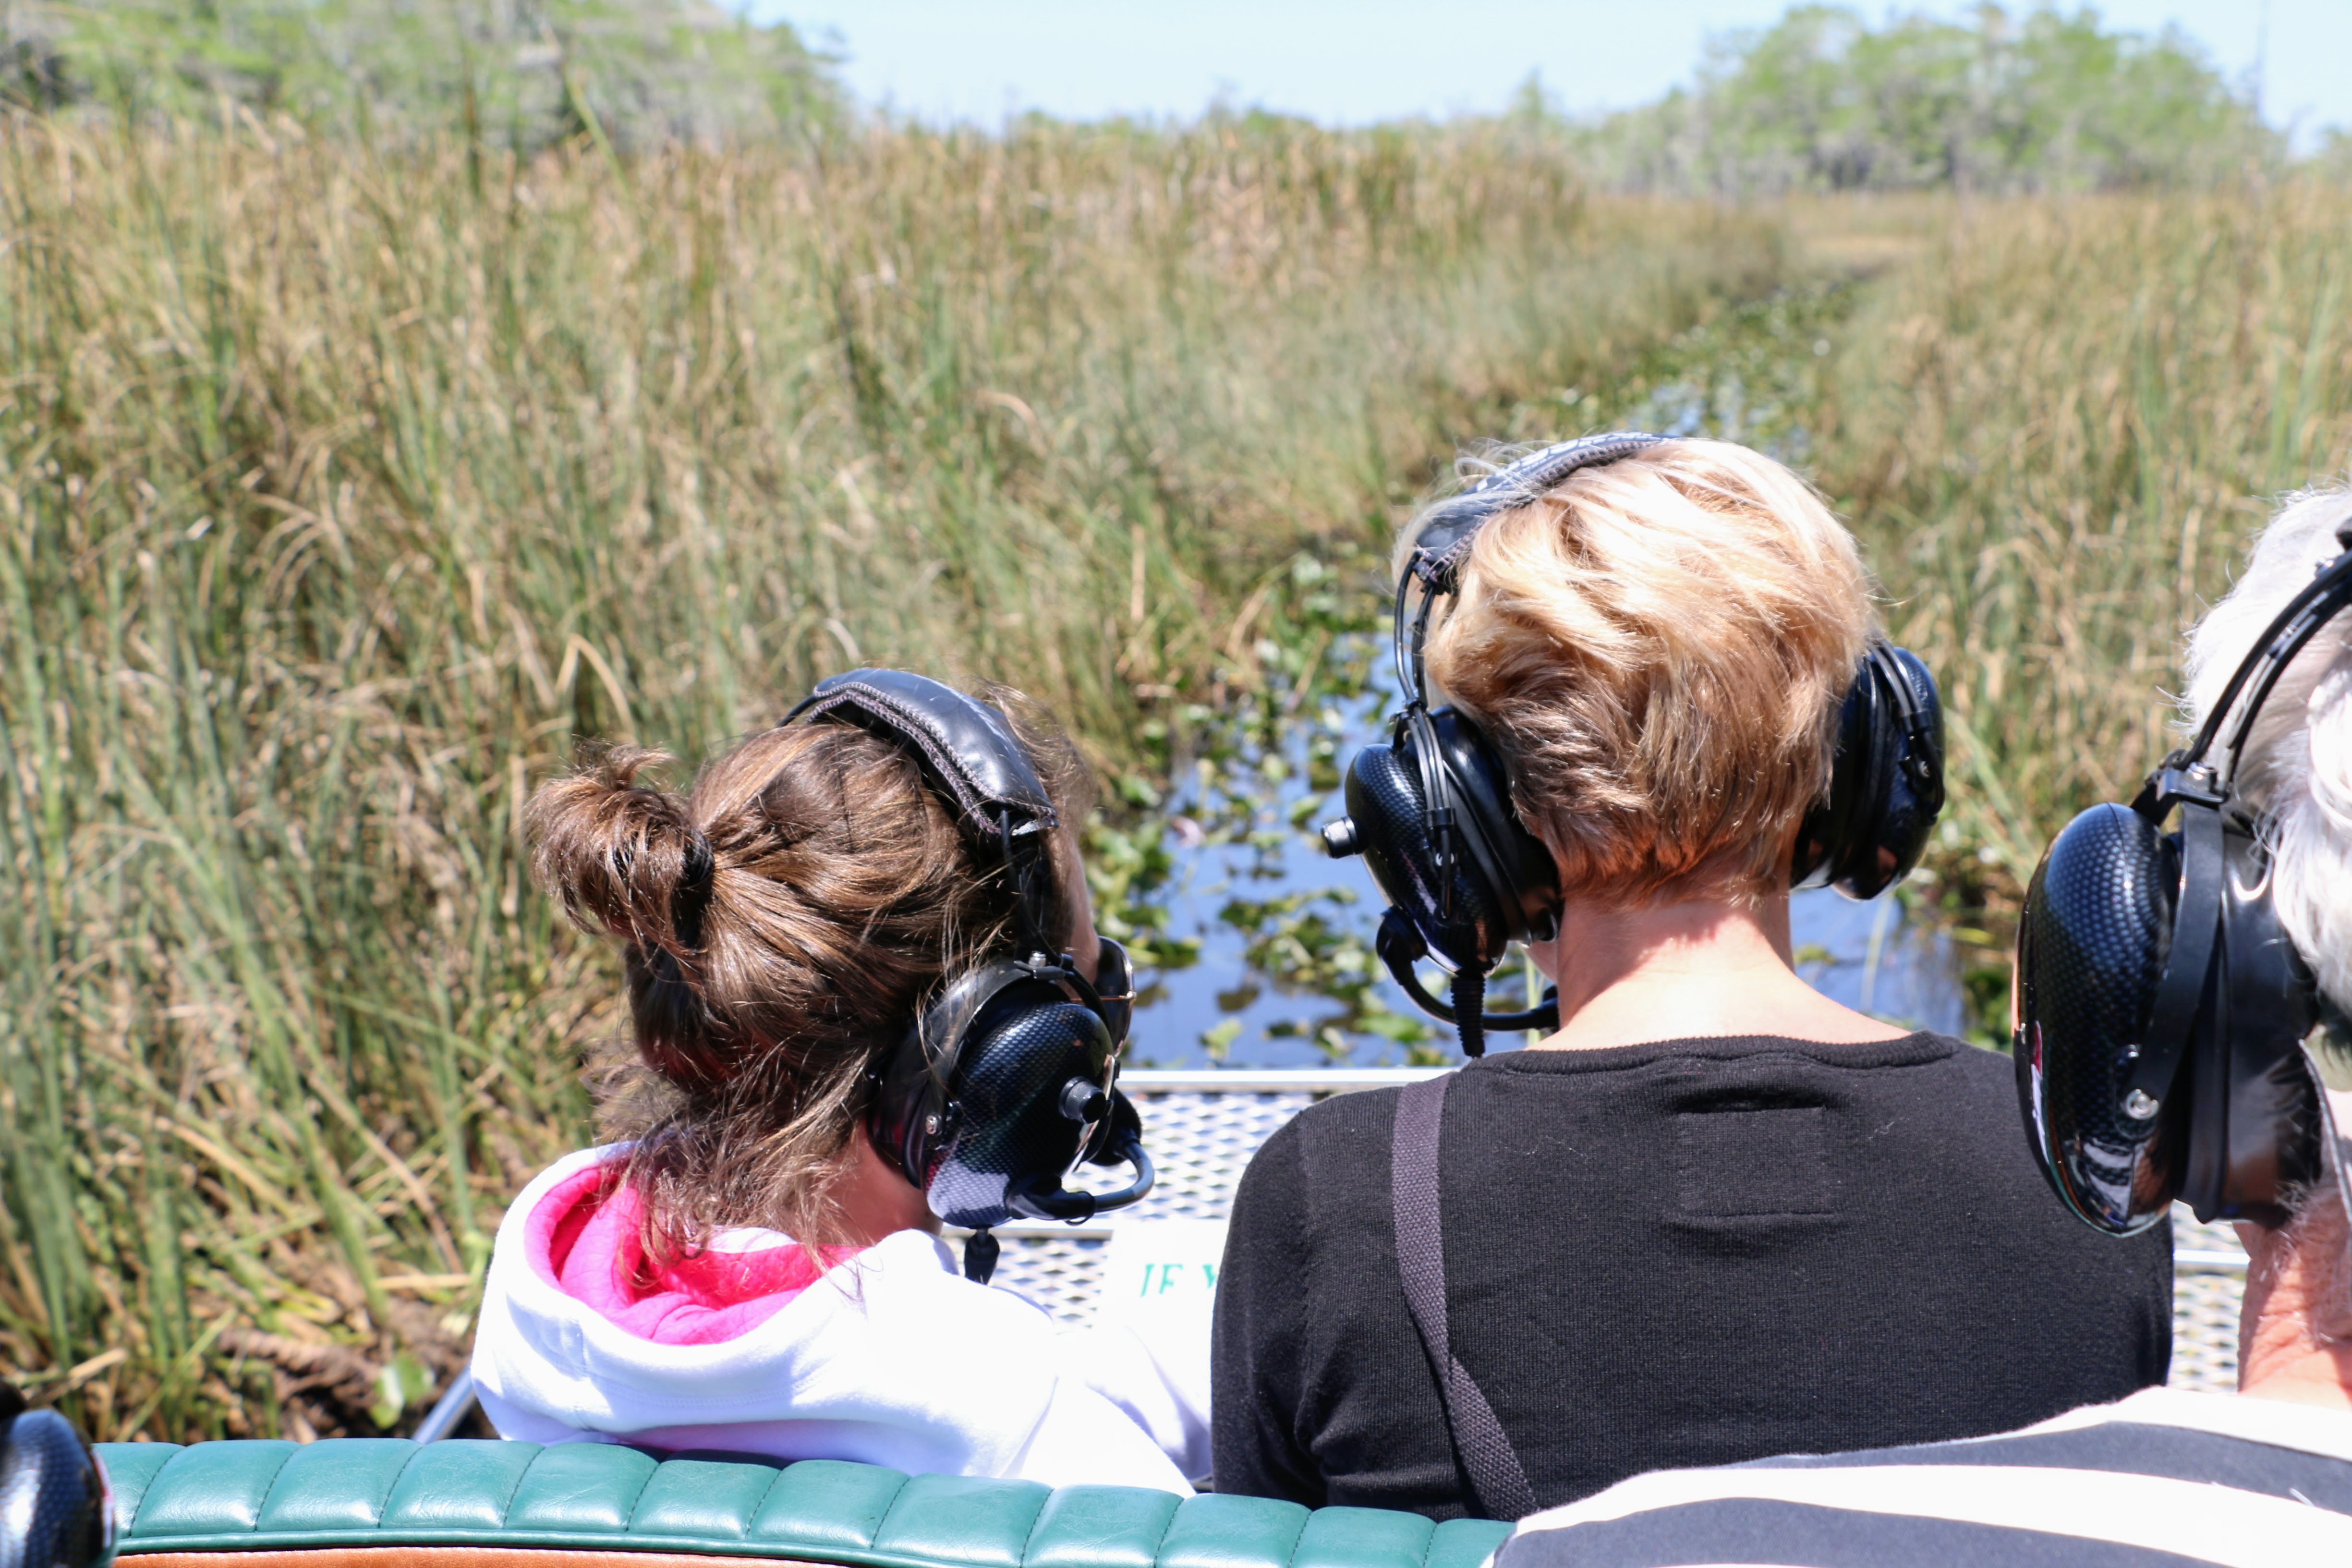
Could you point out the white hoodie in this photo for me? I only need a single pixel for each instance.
(888, 1356)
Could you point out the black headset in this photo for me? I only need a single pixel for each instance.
(2159, 1011)
(55, 1510)
(1009, 1079)
(1431, 810)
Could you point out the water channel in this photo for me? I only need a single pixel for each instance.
(1266, 944)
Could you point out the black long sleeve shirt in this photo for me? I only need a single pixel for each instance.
(1689, 1252)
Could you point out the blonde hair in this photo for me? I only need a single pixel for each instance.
(1658, 646)
(780, 923)
(2297, 765)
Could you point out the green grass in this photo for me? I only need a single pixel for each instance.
(2055, 426)
(2059, 427)
(340, 494)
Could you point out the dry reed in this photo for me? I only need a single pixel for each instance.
(341, 494)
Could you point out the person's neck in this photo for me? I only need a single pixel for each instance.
(2294, 1335)
(1701, 967)
(876, 1201)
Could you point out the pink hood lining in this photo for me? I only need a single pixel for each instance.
(585, 1237)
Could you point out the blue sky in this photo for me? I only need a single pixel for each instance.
(1349, 61)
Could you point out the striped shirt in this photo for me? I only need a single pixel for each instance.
(2165, 1477)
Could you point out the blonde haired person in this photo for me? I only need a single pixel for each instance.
(1717, 1215)
(738, 1265)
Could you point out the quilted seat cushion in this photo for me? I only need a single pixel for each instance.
(347, 1497)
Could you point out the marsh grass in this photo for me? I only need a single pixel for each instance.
(341, 494)
(2055, 426)
(2058, 429)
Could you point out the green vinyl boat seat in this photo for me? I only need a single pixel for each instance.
(365, 1502)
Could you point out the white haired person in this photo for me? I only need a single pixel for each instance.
(1718, 1215)
(2167, 1476)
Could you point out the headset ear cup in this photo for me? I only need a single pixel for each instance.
(1021, 1052)
(2254, 1137)
(1886, 781)
(1828, 827)
(1518, 880)
(2091, 947)
(1502, 883)
(1857, 865)
(2163, 1017)
(1910, 796)
(914, 1113)
(907, 1110)
(1385, 798)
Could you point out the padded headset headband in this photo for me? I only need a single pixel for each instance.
(1450, 527)
(969, 754)
(2188, 778)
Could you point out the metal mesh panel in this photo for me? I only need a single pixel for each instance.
(1062, 1274)
(2205, 1330)
(1203, 1128)
(2209, 1281)
(1202, 1143)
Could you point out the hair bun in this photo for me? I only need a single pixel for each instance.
(621, 856)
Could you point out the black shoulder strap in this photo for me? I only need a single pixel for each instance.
(1486, 1451)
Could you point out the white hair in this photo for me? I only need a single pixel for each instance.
(2298, 765)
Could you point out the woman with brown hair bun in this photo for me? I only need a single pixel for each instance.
(751, 1261)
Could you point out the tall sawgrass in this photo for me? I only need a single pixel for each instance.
(341, 494)
(2058, 425)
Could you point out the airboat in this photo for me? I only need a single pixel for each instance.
(440, 1498)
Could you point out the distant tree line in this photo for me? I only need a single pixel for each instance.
(2041, 101)
(1822, 100)
(519, 71)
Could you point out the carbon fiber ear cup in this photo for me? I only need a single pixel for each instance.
(1010, 1123)
(54, 1509)
(2237, 1128)
(1005, 1086)
(2161, 1011)
(1521, 879)
(2091, 948)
